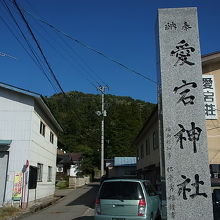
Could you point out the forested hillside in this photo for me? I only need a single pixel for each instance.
(76, 112)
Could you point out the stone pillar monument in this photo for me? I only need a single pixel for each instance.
(188, 188)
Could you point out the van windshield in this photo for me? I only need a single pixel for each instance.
(121, 190)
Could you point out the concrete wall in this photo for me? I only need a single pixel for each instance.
(75, 182)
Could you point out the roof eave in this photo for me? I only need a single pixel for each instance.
(44, 106)
(38, 98)
(210, 58)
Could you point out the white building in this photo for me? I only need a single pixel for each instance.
(28, 146)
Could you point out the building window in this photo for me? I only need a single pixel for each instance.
(49, 177)
(42, 128)
(155, 140)
(51, 137)
(39, 172)
(142, 151)
(147, 147)
(215, 171)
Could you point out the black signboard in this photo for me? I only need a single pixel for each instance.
(32, 184)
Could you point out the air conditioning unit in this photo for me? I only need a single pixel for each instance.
(60, 169)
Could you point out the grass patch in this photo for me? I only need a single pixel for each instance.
(8, 211)
(62, 184)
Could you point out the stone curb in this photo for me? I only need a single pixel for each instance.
(43, 205)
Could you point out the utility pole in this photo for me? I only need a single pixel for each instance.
(102, 114)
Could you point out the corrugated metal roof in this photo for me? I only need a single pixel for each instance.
(125, 161)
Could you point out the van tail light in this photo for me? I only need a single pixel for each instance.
(97, 207)
(141, 207)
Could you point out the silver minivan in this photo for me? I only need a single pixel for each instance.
(127, 199)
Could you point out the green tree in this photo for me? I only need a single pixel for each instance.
(82, 127)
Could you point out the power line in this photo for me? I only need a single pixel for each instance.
(84, 63)
(105, 56)
(68, 48)
(38, 46)
(7, 55)
(81, 66)
(32, 50)
(37, 59)
(70, 57)
(77, 55)
(92, 49)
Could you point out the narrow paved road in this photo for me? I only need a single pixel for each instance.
(77, 205)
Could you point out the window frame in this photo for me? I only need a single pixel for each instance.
(49, 174)
(155, 142)
(142, 151)
(147, 147)
(39, 172)
(42, 128)
(51, 137)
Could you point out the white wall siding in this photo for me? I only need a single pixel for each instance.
(15, 121)
(42, 190)
(15, 117)
(20, 119)
(18, 154)
(44, 152)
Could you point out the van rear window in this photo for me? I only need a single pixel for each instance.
(121, 190)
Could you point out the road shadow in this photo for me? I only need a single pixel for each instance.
(87, 199)
(84, 218)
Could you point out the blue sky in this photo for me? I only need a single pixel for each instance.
(124, 30)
